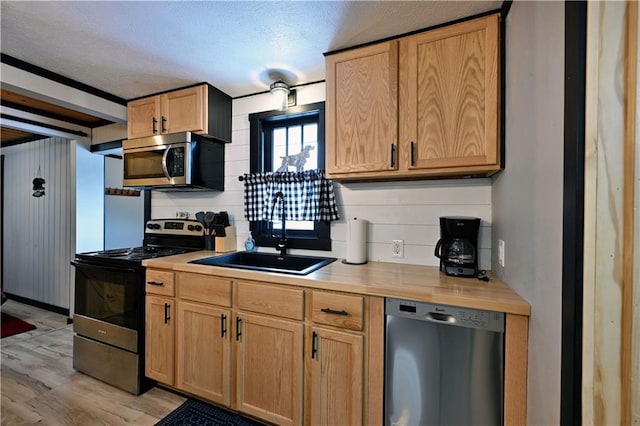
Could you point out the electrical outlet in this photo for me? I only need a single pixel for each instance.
(501, 253)
(182, 215)
(397, 248)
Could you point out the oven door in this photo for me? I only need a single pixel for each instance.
(109, 304)
(160, 165)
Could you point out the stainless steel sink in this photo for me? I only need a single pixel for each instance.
(268, 262)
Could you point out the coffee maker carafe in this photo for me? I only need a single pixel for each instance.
(457, 247)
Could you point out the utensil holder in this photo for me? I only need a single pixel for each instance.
(228, 242)
(209, 242)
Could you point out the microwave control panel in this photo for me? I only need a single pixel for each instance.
(177, 166)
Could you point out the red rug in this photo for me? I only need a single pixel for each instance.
(11, 325)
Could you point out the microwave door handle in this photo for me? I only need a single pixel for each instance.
(164, 162)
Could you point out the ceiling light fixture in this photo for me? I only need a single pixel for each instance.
(283, 96)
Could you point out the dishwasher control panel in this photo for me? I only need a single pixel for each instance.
(445, 314)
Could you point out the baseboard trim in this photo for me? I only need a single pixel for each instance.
(38, 304)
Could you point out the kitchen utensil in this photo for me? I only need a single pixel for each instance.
(218, 225)
(200, 217)
(224, 218)
(208, 221)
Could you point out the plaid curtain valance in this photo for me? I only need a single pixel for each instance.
(308, 195)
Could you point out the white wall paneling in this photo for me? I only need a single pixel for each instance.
(395, 210)
(41, 235)
(39, 241)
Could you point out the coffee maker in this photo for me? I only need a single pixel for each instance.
(457, 247)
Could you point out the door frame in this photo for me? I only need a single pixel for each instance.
(573, 213)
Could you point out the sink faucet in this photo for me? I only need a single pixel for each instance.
(282, 242)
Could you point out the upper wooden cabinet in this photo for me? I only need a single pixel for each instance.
(444, 92)
(362, 110)
(201, 109)
(142, 117)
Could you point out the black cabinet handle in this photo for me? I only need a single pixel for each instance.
(413, 158)
(223, 325)
(155, 125)
(334, 312)
(166, 313)
(158, 283)
(164, 124)
(314, 345)
(393, 155)
(238, 324)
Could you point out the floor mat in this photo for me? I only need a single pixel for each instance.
(11, 325)
(194, 412)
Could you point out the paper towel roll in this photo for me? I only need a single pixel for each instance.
(357, 241)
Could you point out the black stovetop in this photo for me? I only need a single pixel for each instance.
(162, 237)
(134, 253)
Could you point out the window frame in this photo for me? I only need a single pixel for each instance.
(260, 157)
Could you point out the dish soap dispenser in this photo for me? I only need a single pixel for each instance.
(250, 244)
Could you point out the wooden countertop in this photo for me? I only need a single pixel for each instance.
(413, 282)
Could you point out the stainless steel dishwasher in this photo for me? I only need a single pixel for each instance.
(444, 365)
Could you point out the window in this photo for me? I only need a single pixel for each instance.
(277, 134)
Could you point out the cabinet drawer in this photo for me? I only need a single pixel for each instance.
(159, 282)
(272, 300)
(204, 288)
(338, 310)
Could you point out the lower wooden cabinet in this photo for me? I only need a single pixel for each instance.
(203, 351)
(159, 339)
(336, 377)
(284, 354)
(269, 368)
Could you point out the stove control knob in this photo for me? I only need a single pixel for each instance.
(155, 226)
(190, 227)
(149, 225)
(198, 228)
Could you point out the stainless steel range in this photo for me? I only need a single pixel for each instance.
(109, 303)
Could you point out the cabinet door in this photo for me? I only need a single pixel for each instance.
(184, 110)
(269, 368)
(336, 377)
(143, 117)
(362, 109)
(449, 97)
(159, 335)
(203, 351)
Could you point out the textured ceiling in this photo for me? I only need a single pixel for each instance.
(132, 49)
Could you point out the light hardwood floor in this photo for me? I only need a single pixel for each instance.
(40, 386)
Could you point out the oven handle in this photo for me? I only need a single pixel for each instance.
(80, 264)
(165, 169)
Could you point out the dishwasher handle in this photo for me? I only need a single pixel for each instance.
(438, 317)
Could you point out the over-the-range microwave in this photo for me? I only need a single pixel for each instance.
(177, 161)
